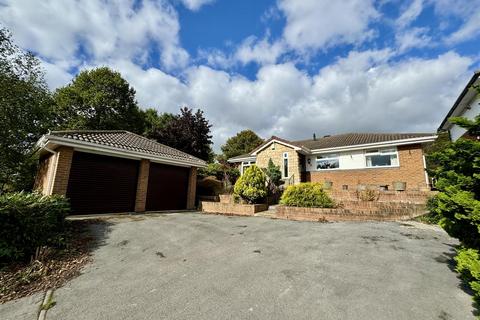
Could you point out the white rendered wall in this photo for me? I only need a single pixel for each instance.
(471, 112)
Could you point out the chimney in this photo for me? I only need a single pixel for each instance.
(314, 137)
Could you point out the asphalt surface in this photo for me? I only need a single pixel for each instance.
(193, 266)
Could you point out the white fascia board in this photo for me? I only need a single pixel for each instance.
(377, 145)
(84, 146)
(242, 159)
(277, 141)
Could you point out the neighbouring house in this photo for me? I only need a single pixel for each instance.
(467, 105)
(115, 171)
(347, 161)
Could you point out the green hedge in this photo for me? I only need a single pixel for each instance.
(468, 265)
(28, 221)
(308, 194)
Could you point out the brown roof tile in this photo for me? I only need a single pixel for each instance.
(127, 141)
(352, 139)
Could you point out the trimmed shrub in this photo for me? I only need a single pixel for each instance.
(308, 194)
(29, 221)
(468, 265)
(252, 185)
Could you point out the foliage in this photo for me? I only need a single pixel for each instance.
(25, 114)
(98, 99)
(188, 132)
(155, 122)
(243, 142)
(468, 265)
(456, 169)
(368, 195)
(273, 173)
(29, 221)
(220, 171)
(308, 194)
(252, 185)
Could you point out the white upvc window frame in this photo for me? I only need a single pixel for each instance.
(327, 157)
(245, 165)
(285, 167)
(382, 152)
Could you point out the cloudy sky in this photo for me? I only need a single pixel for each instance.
(285, 67)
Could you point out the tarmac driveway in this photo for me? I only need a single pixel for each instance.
(193, 266)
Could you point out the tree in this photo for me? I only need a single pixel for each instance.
(243, 142)
(98, 99)
(273, 173)
(155, 122)
(188, 132)
(25, 114)
(457, 205)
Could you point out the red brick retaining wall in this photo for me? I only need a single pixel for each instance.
(354, 211)
(232, 208)
(419, 197)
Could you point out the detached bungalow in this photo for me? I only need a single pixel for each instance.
(467, 105)
(115, 171)
(348, 161)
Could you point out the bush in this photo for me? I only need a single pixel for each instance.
(273, 173)
(306, 195)
(468, 265)
(29, 221)
(252, 185)
(222, 172)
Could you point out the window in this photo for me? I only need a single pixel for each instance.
(381, 158)
(328, 161)
(285, 164)
(245, 165)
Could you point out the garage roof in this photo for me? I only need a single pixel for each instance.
(121, 140)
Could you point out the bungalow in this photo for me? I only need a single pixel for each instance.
(467, 105)
(347, 161)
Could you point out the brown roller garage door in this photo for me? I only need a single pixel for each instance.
(102, 184)
(167, 187)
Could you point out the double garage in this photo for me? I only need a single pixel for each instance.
(98, 182)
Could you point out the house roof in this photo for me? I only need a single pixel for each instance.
(124, 141)
(345, 141)
(353, 139)
(242, 156)
(457, 106)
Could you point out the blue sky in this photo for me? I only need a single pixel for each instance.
(279, 67)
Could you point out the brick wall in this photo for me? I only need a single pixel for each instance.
(62, 174)
(192, 188)
(232, 209)
(142, 186)
(419, 197)
(277, 157)
(43, 175)
(410, 171)
(353, 211)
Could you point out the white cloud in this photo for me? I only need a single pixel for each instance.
(413, 38)
(364, 91)
(96, 30)
(468, 30)
(315, 24)
(195, 5)
(260, 51)
(410, 13)
(467, 11)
